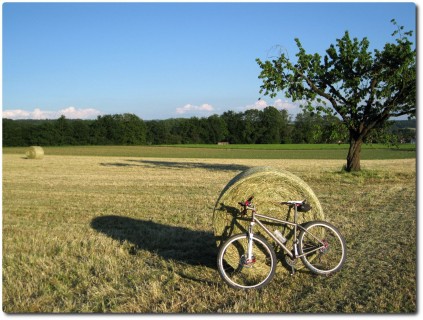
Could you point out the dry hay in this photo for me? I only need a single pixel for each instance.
(35, 152)
(268, 185)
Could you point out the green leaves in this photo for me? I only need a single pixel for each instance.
(363, 87)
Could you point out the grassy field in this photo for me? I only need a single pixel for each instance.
(244, 151)
(134, 234)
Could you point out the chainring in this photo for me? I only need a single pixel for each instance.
(291, 262)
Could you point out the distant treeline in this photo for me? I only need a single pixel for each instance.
(267, 126)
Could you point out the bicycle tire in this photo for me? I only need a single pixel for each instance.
(238, 273)
(322, 248)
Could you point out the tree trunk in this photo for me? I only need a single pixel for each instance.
(353, 158)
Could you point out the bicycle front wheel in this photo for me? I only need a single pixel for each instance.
(322, 247)
(240, 272)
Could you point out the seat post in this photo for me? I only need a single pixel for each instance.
(295, 213)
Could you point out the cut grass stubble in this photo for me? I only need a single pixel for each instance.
(102, 234)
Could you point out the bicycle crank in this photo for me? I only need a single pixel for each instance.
(291, 262)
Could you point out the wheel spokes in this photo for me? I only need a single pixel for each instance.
(243, 271)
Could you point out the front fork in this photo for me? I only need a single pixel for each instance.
(250, 256)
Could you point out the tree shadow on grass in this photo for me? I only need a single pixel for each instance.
(193, 165)
(171, 243)
(179, 165)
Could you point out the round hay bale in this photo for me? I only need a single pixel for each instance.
(268, 185)
(35, 152)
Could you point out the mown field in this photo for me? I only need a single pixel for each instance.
(118, 233)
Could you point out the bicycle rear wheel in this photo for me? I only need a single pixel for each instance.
(240, 273)
(322, 247)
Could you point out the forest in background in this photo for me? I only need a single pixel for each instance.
(267, 126)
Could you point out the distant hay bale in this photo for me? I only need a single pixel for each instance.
(35, 152)
(268, 185)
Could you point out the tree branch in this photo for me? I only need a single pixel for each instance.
(320, 92)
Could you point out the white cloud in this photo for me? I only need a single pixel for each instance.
(37, 114)
(16, 114)
(259, 105)
(73, 113)
(280, 104)
(189, 108)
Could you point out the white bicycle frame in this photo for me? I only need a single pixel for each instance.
(294, 224)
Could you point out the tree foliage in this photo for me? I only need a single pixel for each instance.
(251, 126)
(364, 88)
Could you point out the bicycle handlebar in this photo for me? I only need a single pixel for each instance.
(247, 202)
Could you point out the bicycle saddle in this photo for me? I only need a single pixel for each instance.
(304, 207)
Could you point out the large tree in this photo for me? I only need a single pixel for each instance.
(364, 88)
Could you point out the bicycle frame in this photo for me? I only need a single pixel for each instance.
(249, 260)
(294, 224)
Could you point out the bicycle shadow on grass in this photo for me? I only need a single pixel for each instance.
(188, 246)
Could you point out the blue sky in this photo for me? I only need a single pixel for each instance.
(166, 60)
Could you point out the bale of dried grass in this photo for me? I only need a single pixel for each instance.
(35, 152)
(268, 185)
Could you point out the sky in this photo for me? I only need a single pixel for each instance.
(166, 60)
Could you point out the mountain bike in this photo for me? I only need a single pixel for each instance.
(248, 261)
